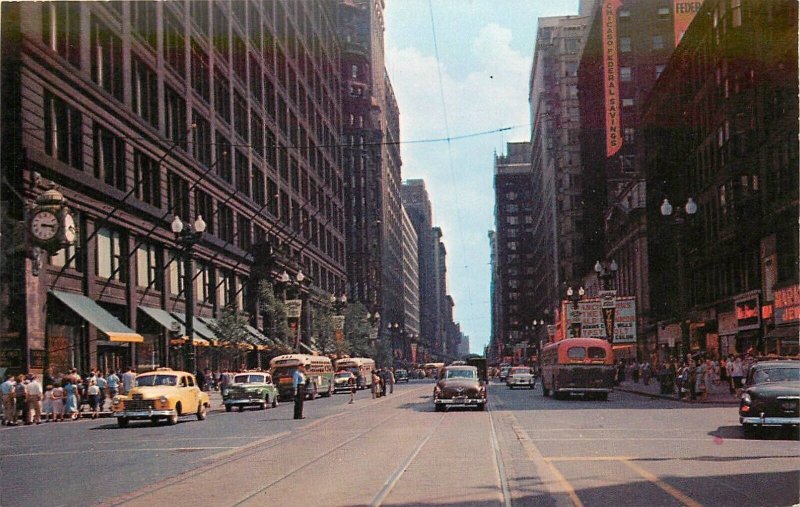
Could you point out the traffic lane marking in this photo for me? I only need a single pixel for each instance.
(100, 451)
(670, 490)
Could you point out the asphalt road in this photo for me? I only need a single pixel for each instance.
(526, 450)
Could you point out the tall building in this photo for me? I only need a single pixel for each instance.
(440, 301)
(418, 206)
(411, 308)
(559, 232)
(372, 164)
(515, 264)
(627, 48)
(143, 111)
(721, 129)
(495, 348)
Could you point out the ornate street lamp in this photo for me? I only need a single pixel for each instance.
(606, 272)
(575, 297)
(188, 236)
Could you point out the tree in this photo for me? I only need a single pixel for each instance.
(322, 330)
(273, 309)
(230, 329)
(357, 330)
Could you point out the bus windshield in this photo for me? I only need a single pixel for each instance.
(284, 371)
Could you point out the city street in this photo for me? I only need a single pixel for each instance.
(526, 450)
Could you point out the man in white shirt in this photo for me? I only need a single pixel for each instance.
(7, 392)
(127, 380)
(34, 402)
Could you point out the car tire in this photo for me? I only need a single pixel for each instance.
(602, 396)
(201, 412)
(439, 408)
(122, 422)
(173, 419)
(228, 408)
(274, 402)
(330, 392)
(241, 408)
(482, 407)
(751, 431)
(545, 390)
(313, 394)
(556, 395)
(154, 421)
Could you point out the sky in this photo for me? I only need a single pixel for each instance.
(479, 83)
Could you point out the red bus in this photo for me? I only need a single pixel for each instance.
(577, 365)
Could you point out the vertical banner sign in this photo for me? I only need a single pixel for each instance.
(414, 353)
(338, 327)
(608, 304)
(684, 11)
(294, 308)
(611, 77)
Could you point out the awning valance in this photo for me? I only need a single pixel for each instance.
(199, 327)
(99, 317)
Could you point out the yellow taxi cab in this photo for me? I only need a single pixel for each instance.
(161, 394)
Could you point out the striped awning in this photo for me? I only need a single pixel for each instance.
(99, 317)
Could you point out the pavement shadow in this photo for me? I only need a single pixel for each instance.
(772, 433)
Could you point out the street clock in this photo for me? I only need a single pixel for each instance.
(51, 226)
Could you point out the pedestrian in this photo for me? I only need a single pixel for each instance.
(692, 379)
(58, 402)
(737, 374)
(93, 393)
(113, 385)
(646, 373)
(20, 399)
(9, 405)
(352, 383)
(127, 380)
(201, 379)
(102, 385)
(723, 369)
(47, 403)
(209, 377)
(70, 400)
(701, 380)
(299, 387)
(34, 403)
(391, 379)
(384, 381)
(376, 385)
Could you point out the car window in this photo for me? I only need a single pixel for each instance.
(190, 380)
(576, 352)
(763, 375)
(183, 382)
(597, 353)
(468, 374)
(155, 380)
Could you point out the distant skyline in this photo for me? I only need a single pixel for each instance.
(485, 49)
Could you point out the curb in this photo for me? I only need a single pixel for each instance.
(673, 398)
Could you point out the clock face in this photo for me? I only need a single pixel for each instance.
(44, 225)
(69, 228)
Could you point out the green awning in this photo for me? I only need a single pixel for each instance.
(199, 327)
(166, 320)
(262, 339)
(99, 317)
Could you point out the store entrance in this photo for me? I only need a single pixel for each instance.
(113, 358)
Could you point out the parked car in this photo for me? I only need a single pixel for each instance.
(400, 376)
(250, 389)
(771, 397)
(161, 394)
(459, 386)
(341, 381)
(521, 376)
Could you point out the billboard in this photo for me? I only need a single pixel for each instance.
(591, 320)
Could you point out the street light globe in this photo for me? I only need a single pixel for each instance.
(666, 208)
(300, 277)
(176, 225)
(598, 267)
(200, 224)
(284, 277)
(569, 291)
(691, 207)
(614, 266)
(581, 292)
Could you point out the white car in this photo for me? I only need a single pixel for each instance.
(521, 376)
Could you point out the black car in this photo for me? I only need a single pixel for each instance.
(400, 376)
(771, 397)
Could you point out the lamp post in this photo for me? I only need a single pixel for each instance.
(575, 297)
(606, 272)
(188, 236)
(394, 330)
(678, 219)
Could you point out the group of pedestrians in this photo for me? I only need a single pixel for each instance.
(382, 382)
(62, 398)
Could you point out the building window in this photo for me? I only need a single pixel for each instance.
(627, 102)
(242, 173)
(204, 206)
(224, 288)
(624, 14)
(199, 13)
(61, 29)
(659, 70)
(256, 134)
(572, 45)
(109, 158)
(202, 283)
(200, 72)
(147, 267)
(63, 137)
(224, 156)
(259, 195)
(240, 115)
(201, 139)
(109, 254)
(658, 42)
(663, 13)
(146, 179)
(178, 195)
(222, 96)
(624, 44)
(628, 134)
(220, 21)
(243, 238)
(174, 44)
(239, 52)
(736, 13)
(272, 196)
(175, 117)
(175, 278)
(144, 89)
(143, 21)
(225, 215)
(625, 74)
(106, 59)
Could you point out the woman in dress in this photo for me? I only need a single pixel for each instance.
(47, 403)
(58, 402)
(70, 400)
(93, 392)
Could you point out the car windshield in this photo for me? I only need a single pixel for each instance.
(468, 374)
(156, 380)
(344, 374)
(249, 379)
(764, 375)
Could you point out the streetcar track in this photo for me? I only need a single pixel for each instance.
(498, 463)
(243, 452)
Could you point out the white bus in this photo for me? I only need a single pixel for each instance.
(319, 370)
(362, 365)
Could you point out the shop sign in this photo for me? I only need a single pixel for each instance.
(591, 321)
(294, 308)
(748, 315)
(787, 304)
(726, 323)
(684, 14)
(611, 77)
(669, 334)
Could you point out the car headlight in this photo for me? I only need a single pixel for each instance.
(163, 400)
(116, 401)
(224, 392)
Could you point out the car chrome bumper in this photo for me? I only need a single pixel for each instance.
(584, 390)
(245, 401)
(468, 401)
(770, 421)
(144, 414)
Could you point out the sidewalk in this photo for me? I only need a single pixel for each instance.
(716, 394)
